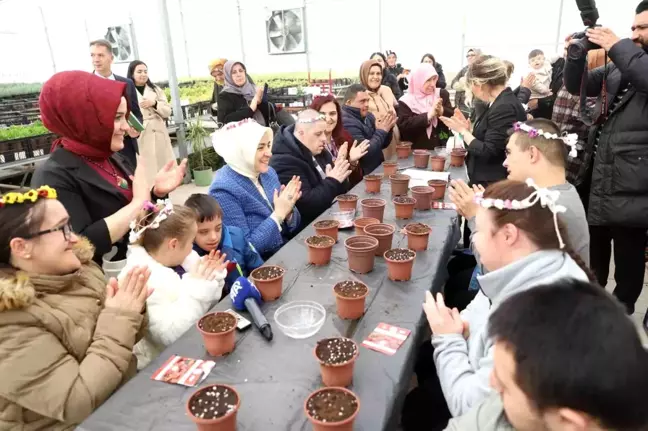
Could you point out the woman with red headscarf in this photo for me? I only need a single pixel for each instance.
(338, 139)
(419, 110)
(94, 182)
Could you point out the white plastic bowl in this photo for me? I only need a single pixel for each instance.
(300, 319)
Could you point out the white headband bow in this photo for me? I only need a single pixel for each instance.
(571, 140)
(161, 211)
(547, 198)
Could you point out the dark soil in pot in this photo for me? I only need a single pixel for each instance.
(400, 254)
(268, 272)
(326, 224)
(320, 241)
(418, 228)
(404, 200)
(217, 323)
(332, 405)
(347, 202)
(351, 289)
(328, 228)
(213, 402)
(335, 351)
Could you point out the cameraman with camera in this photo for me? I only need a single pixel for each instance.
(618, 204)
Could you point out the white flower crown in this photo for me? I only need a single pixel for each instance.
(547, 198)
(571, 140)
(161, 211)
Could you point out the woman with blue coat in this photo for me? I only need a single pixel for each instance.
(248, 189)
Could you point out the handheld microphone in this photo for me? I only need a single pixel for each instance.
(245, 296)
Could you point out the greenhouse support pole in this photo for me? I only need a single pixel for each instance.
(240, 20)
(558, 36)
(47, 38)
(173, 83)
(308, 63)
(380, 39)
(184, 36)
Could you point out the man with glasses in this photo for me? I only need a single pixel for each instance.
(459, 82)
(299, 150)
(618, 169)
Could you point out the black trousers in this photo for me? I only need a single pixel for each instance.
(425, 407)
(629, 249)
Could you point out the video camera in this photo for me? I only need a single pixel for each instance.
(580, 44)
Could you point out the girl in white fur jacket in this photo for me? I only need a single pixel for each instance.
(184, 285)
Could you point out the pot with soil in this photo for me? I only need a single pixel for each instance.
(347, 202)
(384, 233)
(269, 281)
(360, 250)
(373, 183)
(328, 228)
(217, 330)
(404, 207)
(438, 163)
(350, 299)
(400, 262)
(439, 187)
(214, 408)
(390, 168)
(457, 157)
(373, 208)
(399, 184)
(332, 409)
(320, 248)
(421, 159)
(336, 357)
(418, 235)
(403, 150)
(361, 222)
(422, 194)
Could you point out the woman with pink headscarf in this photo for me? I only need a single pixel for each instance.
(420, 109)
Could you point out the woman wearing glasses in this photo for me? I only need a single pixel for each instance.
(66, 338)
(95, 184)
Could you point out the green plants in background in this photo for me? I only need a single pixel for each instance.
(20, 88)
(202, 171)
(16, 132)
(443, 135)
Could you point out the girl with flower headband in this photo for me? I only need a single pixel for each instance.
(522, 244)
(185, 285)
(66, 337)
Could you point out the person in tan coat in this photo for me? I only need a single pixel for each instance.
(154, 142)
(66, 338)
(381, 100)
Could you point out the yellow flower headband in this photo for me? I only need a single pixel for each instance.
(45, 192)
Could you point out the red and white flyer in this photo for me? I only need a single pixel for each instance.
(444, 206)
(183, 371)
(386, 338)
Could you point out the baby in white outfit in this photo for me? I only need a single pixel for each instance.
(541, 68)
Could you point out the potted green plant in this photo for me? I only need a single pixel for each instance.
(202, 171)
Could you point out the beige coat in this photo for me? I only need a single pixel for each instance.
(154, 142)
(62, 353)
(381, 102)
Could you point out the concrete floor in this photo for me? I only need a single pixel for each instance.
(184, 191)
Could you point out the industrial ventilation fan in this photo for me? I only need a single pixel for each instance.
(286, 33)
(122, 44)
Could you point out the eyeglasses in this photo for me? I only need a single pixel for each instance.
(66, 229)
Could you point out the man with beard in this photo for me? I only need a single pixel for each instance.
(618, 203)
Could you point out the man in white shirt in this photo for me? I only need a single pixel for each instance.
(102, 59)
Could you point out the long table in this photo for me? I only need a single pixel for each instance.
(274, 378)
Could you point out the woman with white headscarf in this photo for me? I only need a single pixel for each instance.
(248, 189)
(240, 98)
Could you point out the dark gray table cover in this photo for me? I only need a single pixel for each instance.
(274, 378)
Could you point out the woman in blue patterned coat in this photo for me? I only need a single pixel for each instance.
(248, 189)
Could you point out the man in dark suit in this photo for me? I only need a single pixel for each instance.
(102, 59)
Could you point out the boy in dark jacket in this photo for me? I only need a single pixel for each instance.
(300, 150)
(212, 235)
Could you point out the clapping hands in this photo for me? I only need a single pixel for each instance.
(208, 267)
(286, 198)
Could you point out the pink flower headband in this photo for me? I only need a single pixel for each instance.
(231, 126)
(320, 117)
(571, 140)
(547, 198)
(161, 210)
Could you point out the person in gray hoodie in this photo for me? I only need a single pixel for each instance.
(557, 365)
(520, 242)
(543, 159)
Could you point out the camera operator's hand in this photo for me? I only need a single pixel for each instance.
(602, 36)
